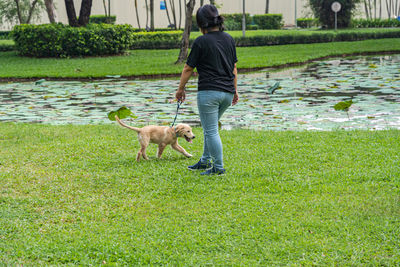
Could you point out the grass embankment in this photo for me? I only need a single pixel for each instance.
(75, 195)
(156, 62)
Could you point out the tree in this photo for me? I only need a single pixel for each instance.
(84, 14)
(137, 14)
(20, 11)
(266, 6)
(186, 33)
(151, 15)
(323, 12)
(51, 11)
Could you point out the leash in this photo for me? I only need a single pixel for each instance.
(177, 109)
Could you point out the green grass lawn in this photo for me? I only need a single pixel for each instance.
(75, 195)
(154, 62)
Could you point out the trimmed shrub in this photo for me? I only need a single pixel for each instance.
(307, 37)
(307, 22)
(156, 40)
(98, 19)
(268, 21)
(233, 22)
(6, 45)
(375, 23)
(5, 35)
(58, 40)
(323, 12)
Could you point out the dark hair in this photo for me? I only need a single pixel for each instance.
(207, 17)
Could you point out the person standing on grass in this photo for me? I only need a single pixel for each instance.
(214, 56)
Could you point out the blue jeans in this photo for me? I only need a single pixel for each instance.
(211, 105)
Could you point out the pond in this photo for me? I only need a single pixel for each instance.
(304, 100)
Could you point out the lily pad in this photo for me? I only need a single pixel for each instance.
(122, 113)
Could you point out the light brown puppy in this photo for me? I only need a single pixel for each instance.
(161, 135)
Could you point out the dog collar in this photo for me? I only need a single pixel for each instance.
(176, 133)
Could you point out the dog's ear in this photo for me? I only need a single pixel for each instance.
(179, 128)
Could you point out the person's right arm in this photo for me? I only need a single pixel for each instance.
(236, 95)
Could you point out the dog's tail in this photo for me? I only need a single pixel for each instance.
(126, 126)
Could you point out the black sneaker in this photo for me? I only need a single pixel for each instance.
(200, 166)
(213, 171)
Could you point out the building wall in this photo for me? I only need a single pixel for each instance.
(125, 10)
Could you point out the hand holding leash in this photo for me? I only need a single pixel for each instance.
(180, 95)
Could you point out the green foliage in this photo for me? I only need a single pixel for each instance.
(6, 45)
(5, 35)
(307, 37)
(9, 11)
(74, 195)
(98, 19)
(375, 23)
(156, 40)
(323, 12)
(268, 21)
(122, 113)
(343, 105)
(58, 40)
(307, 22)
(233, 22)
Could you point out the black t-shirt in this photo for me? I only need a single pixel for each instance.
(214, 56)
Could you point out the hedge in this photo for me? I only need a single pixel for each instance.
(233, 22)
(58, 40)
(268, 21)
(307, 22)
(156, 40)
(98, 19)
(375, 23)
(4, 35)
(307, 37)
(6, 45)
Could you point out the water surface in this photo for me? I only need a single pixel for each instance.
(304, 102)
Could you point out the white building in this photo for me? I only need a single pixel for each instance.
(125, 10)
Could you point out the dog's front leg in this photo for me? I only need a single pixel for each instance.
(180, 149)
(161, 148)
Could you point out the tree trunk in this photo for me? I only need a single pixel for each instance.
(186, 33)
(105, 7)
(388, 9)
(166, 9)
(84, 14)
(173, 11)
(137, 14)
(266, 6)
(18, 11)
(51, 11)
(180, 14)
(152, 15)
(72, 20)
(366, 9)
(147, 16)
(28, 20)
